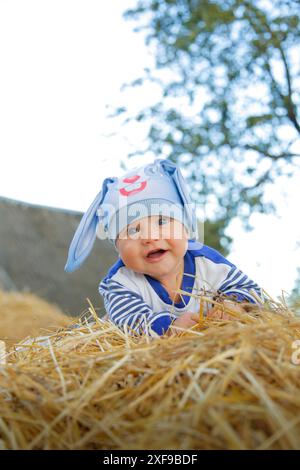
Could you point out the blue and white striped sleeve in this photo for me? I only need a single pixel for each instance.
(129, 312)
(240, 287)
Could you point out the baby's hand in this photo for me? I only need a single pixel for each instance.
(217, 313)
(185, 321)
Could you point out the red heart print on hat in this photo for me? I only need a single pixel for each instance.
(132, 187)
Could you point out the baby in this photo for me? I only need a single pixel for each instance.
(149, 217)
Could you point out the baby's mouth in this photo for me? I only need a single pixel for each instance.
(156, 254)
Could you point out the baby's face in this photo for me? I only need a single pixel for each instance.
(153, 245)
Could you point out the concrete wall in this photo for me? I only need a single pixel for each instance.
(34, 242)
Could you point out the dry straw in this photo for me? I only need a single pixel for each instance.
(25, 314)
(224, 385)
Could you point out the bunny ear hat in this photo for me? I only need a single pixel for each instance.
(122, 200)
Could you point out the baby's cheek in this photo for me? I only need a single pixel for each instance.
(134, 260)
(172, 232)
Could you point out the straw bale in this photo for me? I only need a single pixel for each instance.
(223, 385)
(24, 314)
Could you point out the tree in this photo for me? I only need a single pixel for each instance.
(229, 75)
(294, 299)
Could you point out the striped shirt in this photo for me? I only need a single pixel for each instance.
(138, 302)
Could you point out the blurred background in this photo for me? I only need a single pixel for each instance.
(89, 89)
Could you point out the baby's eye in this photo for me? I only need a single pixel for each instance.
(163, 220)
(132, 231)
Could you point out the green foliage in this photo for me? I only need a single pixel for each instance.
(215, 237)
(232, 95)
(294, 299)
(296, 290)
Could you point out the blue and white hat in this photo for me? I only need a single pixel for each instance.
(154, 189)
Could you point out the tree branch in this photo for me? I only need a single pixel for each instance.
(290, 105)
(286, 99)
(285, 155)
(263, 179)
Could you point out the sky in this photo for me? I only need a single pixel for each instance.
(62, 63)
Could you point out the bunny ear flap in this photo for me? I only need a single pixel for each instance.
(86, 232)
(189, 207)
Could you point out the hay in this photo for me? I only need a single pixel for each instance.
(25, 314)
(224, 385)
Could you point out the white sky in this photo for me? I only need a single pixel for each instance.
(61, 63)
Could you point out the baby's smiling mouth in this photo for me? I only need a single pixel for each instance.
(156, 254)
